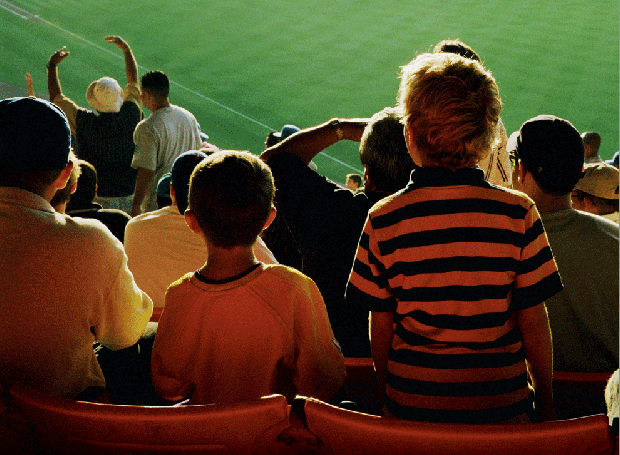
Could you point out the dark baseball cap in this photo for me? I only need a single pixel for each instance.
(551, 149)
(34, 135)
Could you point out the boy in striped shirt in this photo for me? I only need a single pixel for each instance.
(454, 270)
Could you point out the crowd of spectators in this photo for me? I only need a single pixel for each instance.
(467, 264)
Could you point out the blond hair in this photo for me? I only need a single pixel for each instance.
(451, 105)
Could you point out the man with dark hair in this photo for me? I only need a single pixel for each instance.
(549, 156)
(456, 46)
(326, 219)
(169, 131)
(160, 247)
(591, 145)
(105, 137)
(82, 202)
(353, 182)
(65, 281)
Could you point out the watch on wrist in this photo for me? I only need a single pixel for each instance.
(50, 65)
(335, 123)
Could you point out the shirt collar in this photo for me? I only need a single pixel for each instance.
(433, 177)
(17, 196)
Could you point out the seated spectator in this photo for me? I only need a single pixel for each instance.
(597, 191)
(61, 198)
(163, 191)
(82, 202)
(496, 165)
(326, 219)
(65, 281)
(446, 266)
(238, 329)
(160, 247)
(584, 316)
(591, 146)
(353, 182)
(105, 137)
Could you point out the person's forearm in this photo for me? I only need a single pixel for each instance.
(381, 336)
(308, 143)
(536, 336)
(131, 66)
(53, 82)
(143, 184)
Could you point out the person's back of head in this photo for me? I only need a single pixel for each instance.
(35, 141)
(163, 191)
(450, 107)
(456, 46)
(64, 195)
(383, 151)
(157, 84)
(273, 137)
(591, 143)
(86, 190)
(231, 195)
(181, 173)
(551, 149)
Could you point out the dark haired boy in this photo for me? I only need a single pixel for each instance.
(237, 329)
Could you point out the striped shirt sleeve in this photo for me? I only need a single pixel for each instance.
(368, 286)
(537, 278)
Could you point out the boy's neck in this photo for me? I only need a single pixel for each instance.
(227, 263)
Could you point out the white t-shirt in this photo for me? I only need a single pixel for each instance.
(161, 249)
(160, 139)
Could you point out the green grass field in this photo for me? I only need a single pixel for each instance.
(245, 67)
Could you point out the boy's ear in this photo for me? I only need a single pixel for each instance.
(192, 222)
(271, 217)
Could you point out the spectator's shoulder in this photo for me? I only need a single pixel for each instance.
(90, 232)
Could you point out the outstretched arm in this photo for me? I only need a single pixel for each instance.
(131, 67)
(53, 82)
(308, 143)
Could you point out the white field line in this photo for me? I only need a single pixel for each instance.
(26, 15)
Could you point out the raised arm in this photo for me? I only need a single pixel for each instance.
(308, 143)
(131, 67)
(53, 82)
(31, 93)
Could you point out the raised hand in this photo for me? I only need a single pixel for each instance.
(120, 42)
(59, 56)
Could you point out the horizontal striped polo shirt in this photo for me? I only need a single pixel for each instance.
(455, 258)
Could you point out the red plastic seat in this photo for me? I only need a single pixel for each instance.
(66, 426)
(340, 431)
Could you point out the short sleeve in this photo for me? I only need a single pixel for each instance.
(537, 277)
(146, 147)
(368, 285)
